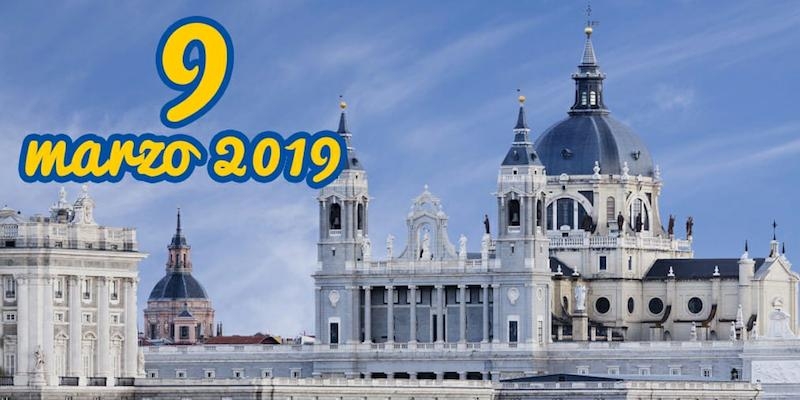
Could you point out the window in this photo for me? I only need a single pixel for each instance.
(238, 373)
(153, 330)
(296, 373)
(565, 209)
(613, 370)
(184, 331)
(10, 364)
(360, 217)
(10, 316)
(705, 372)
(10, 285)
(675, 371)
(655, 305)
(419, 296)
(114, 289)
(86, 318)
(335, 219)
(695, 305)
(639, 218)
(115, 318)
(644, 371)
(583, 98)
(58, 288)
(513, 334)
(630, 305)
(152, 373)
(582, 370)
(180, 373)
(209, 373)
(734, 374)
(611, 210)
(630, 263)
(603, 305)
(513, 212)
(86, 289)
(593, 98)
(603, 263)
(59, 316)
(266, 373)
(334, 333)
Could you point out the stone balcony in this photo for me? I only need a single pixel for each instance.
(582, 241)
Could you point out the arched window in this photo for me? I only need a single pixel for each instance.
(639, 219)
(592, 98)
(583, 98)
(539, 212)
(513, 212)
(611, 209)
(335, 220)
(360, 217)
(564, 213)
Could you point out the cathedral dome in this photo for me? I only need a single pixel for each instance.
(572, 146)
(178, 285)
(590, 134)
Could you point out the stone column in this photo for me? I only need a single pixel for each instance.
(74, 364)
(462, 313)
(319, 326)
(131, 332)
(485, 294)
(496, 320)
(367, 314)
(390, 314)
(440, 313)
(412, 300)
(24, 352)
(47, 332)
(103, 348)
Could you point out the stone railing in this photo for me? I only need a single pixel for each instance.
(641, 242)
(419, 266)
(63, 236)
(342, 348)
(327, 382)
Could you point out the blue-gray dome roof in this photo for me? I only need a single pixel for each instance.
(572, 146)
(178, 285)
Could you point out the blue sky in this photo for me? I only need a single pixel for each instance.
(710, 86)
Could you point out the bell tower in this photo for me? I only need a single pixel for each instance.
(521, 240)
(343, 212)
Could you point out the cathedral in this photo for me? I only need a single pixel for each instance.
(577, 291)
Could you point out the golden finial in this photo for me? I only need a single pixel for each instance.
(342, 103)
(521, 98)
(588, 30)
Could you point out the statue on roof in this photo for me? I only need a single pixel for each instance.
(580, 298)
(390, 246)
(621, 222)
(462, 247)
(689, 226)
(587, 224)
(671, 226)
(486, 223)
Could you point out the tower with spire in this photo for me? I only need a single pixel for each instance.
(522, 244)
(343, 243)
(178, 309)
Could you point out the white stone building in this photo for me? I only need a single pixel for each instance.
(69, 297)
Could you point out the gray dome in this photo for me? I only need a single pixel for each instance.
(571, 147)
(178, 285)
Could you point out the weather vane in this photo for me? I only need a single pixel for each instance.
(589, 21)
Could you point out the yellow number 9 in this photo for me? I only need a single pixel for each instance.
(202, 78)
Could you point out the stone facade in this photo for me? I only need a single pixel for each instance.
(69, 297)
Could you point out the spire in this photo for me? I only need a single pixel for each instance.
(589, 58)
(522, 122)
(522, 151)
(178, 241)
(746, 247)
(352, 161)
(342, 119)
(774, 228)
(589, 78)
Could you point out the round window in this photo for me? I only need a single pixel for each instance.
(656, 306)
(695, 305)
(602, 305)
(630, 305)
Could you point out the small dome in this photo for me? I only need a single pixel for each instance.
(572, 146)
(178, 285)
